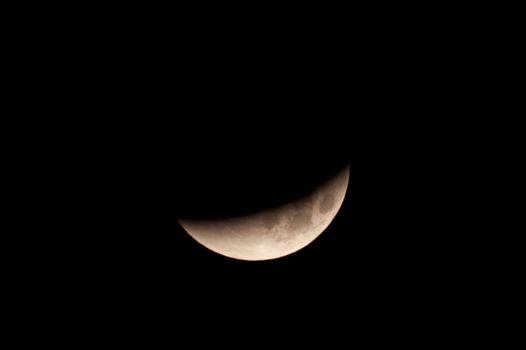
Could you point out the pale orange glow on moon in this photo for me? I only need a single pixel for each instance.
(275, 232)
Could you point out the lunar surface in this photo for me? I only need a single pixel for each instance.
(275, 232)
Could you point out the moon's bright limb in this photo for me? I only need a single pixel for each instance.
(275, 232)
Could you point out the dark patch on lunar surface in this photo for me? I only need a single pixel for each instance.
(301, 220)
(327, 203)
(270, 220)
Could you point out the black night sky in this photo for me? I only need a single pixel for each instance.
(228, 138)
(134, 125)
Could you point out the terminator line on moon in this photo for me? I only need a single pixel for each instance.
(274, 232)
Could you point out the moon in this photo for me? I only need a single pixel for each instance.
(275, 232)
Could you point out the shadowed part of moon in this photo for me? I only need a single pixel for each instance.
(275, 232)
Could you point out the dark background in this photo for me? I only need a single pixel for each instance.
(146, 132)
(123, 122)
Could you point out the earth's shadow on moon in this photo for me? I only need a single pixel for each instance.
(231, 189)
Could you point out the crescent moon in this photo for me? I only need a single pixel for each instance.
(275, 232)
